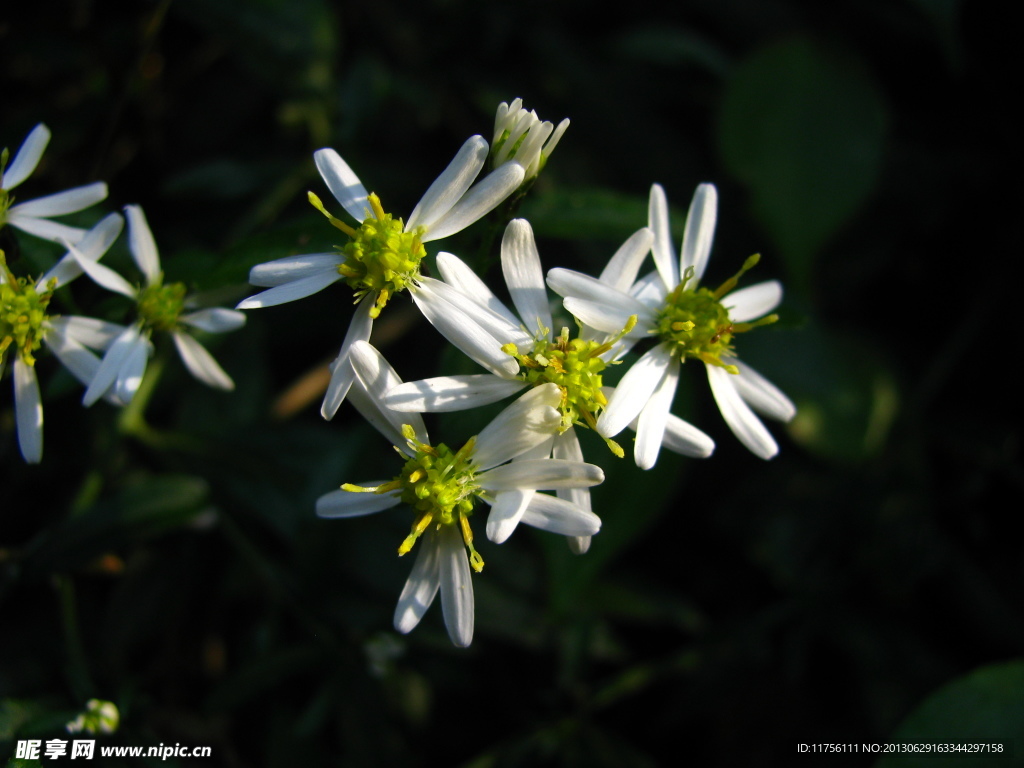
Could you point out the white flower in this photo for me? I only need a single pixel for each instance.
(160, 307)
(34, 216)
(521, 135)
(442, 485)
(383, 256)
(25, 326)
(689, 322)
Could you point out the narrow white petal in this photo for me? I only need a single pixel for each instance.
(609, 318)
(567, 446)
(754, 301)
(75, 357)
(377, 377)
(111, 364)
(354, 504)
(520, 263)
(762, 395)
(93, 245)
(526, 423)
(141, 243)
(700, 231)
(559, 516)
(741, 420)
(684, 438)
(201, 363)
(507, 509)
(215, 319)
(494, 324)
(343, 183)
(457, 604)
(459, 276)
(89, 331)
(342, 374)
(60, 203)
(623, 267)
(480, 200)
(421, 586)
(451, 393)
(649, 290)
(633, 391)
(28, 411)
(451, 185)
(540, 475)
(664, 253)
(650, 429)
(44, 228)
(103, 275)
(452, 322)
(27, 157)
(132, 370)
(577, 286)
(297, 289)
(291, 268)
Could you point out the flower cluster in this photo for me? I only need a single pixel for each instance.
(557, 372)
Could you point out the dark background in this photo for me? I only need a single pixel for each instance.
(864, 586)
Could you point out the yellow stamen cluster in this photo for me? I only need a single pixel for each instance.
(696, 324)
(381, 259)
(160, 306)
(439, 485)
(22, 313)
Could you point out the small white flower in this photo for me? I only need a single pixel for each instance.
(161, 307)
(442, 485)
(383, 255)
(26, 325)
(34, 216)
(522, 136)
(689, 322)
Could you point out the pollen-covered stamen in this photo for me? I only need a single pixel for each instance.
(22, 313)
(381, 259)
(160, 305)
(440, 485)
(695, 323)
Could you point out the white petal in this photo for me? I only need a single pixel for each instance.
(457, 603)
(633, 391)
(200, 362)
(75, 357)
(452, 322)
(89, 331)
(741, 420)
(451, 185)
(44, 228)
(111, 364)
(651, 423)
(754, 301)
(584, 288)
(608, 318)
(507, 509)
(142, 244)
(342, 374)
(520, 263)
(377, 377)
(479, 201)
(421, 586)
(762, 395)
(342, 503)
(623, 267)
(291, 268)
(132, 370)
(27, 157)
(567, 446)
(215, 319)
(343, 183)
(527, 422)
(28, 411)
(60, 203)
(93, 245)
(700, 231)
(664, 253)
(103, 275)
(451, 393)
(649, 290)
(540, 475)
(459, 276)
(559, 516)
(493, 323)
(297, 289)
(684, 438)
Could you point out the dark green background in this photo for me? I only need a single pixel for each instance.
(864, 586)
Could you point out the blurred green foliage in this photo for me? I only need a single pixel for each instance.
(844, 592)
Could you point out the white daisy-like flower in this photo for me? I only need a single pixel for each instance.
(26, 325)
(523, 136)
(160, 307)
(478, 323)
(688, 321)
(383, 255)
(442, 486)
(33, 216)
